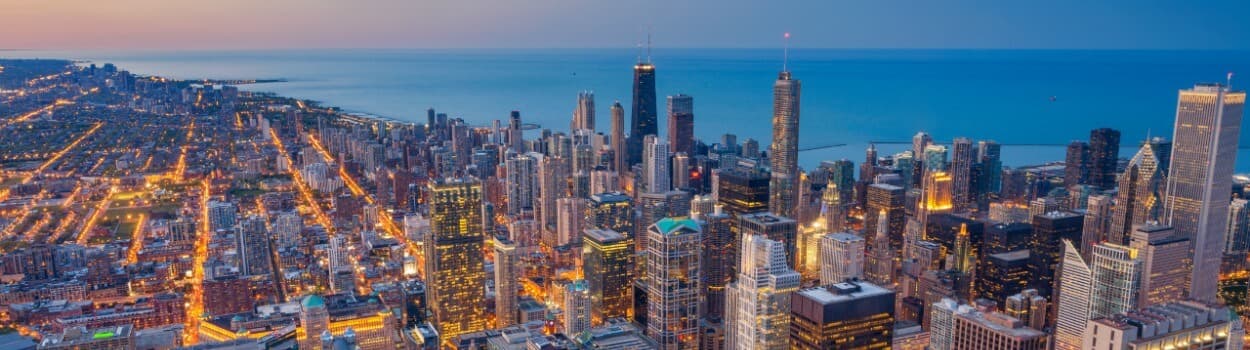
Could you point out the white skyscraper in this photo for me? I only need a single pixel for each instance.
(658, 174)
(338, 253)
(1073, 299)
(507, 271)
(1204, 150)
(758, 303)
(841, 257)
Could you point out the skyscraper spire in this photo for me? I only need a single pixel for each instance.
(648, 44)
(785, 60)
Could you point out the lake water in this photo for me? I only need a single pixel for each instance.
(849, 97)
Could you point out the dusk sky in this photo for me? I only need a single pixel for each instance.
(252, 24)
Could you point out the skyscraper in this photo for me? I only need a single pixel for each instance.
(758, 307)
(516, 140)
(1141, 186)
(612, 211)
(742, 191)
(720, 244)
(253, 246)
(454, 258)
(681, 123)
(841, 257)
(783, 154)
(961, 174)
(643, 113)
(576, 307)
(584, 114)
(607, 266)
(879, 268)
(989, 156)
(1117, 272)
(672, 285)
(1073, 300)
(658, 174)
(1104, 153)
(521, 179)
(507, 272)
(1076, 164)
(777, 228)
(1204, 150)
(620, 155)
(1165, 264)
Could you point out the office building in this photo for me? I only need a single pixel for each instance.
(1104, 155)
(607, 268)
(1165, 264)
(584, 113)
(1117, 272)
(841, 257)
(1177, 325)
(774, 227)
(742, 191)
(961, 174)
(757, 314)
(620, 153)
(681, 123)
(1073, 299)
(964, 327)
(1204, 150)
(643, 111)
(848, 315)
(720, 249)
(576, 307)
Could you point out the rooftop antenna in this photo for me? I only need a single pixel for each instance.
(648, 44)
(785, 60)
(1228, 82)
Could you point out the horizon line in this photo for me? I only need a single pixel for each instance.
(485, 48)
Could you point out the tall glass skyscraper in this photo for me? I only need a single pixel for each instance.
(784, 153)
(1204, 149)
(643, 115)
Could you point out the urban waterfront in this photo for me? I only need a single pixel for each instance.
(1012, 177)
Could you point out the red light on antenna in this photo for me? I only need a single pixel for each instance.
(787, 35)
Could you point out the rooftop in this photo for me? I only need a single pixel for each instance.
(843, 292)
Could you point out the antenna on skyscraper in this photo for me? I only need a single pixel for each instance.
(785, 60)
(1228, 82)
(648, 44)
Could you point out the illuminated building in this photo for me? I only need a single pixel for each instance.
(783, 153)
(1165, 264)
(889, 198)
(454, 259)
(227, 295)
(1104, 153)
(681, 123)
(656, 206)
(1238, 241)
(415, 304)
(1204, 150)
(374, 326)
(938, 195)
(1178, 325)
(848, 315)
(774, 227)
(643, 112)
(841, 257)
(833, 207)
(742, 191)
(757, 312)
(571, 220)
(1097, 224)
(507, 271)
(516, 138)
(991, 180)
(680, 172)
(607, 258)
(576, 307)
(612, 211)
(719, 250)
(963, 327)
(672, 283)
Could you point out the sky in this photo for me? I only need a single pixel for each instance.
(292, 24)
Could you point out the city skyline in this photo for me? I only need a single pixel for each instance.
(235, 24)
(149, 211)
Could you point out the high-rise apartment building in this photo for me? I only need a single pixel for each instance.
(783, 155)
(841, 257)
(757, 313)
(672, 287)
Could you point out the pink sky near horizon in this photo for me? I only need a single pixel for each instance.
(282, 24)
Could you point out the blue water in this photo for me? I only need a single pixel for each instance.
(849, 96)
